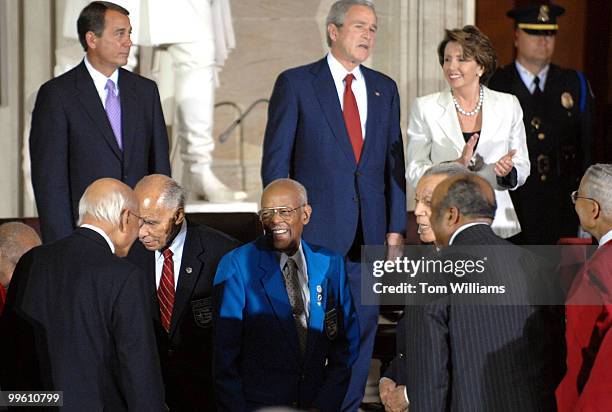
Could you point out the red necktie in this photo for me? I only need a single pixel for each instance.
(351, 117)
(165, 292)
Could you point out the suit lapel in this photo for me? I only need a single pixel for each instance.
(317, 267)
(90, 100)
(491, 120)
(274, 287)
(325, 90)
(193, 258)
(129, 106)
(448, 121)
(374, 97)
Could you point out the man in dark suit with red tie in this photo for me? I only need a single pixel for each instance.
(97, 120)
(180, 262)
(334, 126)
(587, 385)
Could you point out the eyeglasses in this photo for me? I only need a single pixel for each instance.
(574, 196)
(141, 221)
(284, 212)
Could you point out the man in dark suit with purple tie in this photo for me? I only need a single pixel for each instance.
(97, 120)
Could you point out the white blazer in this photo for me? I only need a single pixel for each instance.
(434, 136)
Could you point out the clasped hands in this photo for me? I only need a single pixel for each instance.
(502, 167)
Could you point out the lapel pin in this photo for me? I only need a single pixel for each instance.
(319, 289)
(377, 93)
(188, 269)
(319, 295)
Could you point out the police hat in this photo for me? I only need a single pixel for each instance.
(538, 19)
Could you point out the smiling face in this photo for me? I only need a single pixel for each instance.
(284, 232)
(458, 71)
(422, 210)
(352, 42)
(110, 51)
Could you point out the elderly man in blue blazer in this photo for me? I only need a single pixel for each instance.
(334, 126)
(285, 329)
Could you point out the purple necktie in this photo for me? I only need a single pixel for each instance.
(113, 111)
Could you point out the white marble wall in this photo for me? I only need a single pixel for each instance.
(271, 35)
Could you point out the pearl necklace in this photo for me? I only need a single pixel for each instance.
(473, 112)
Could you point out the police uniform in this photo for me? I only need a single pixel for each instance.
(558, 122)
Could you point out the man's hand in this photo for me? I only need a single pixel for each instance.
(385, 387)
(396, 400)
(395, 246)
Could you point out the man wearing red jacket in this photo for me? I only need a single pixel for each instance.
(587, 385)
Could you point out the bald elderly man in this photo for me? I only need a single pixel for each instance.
(483, 357)
(180, 260)
(15, 240)
(286, 333)
(76, 319)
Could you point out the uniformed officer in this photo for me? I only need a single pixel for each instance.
(557, 110)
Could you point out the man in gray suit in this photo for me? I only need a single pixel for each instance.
(466, 357)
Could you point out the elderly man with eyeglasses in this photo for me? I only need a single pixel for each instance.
(180, 261)
(286, 333)
(587, 383)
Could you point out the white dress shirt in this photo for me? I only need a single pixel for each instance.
(102, 233)
(605, 238)
(358, 87)
(462, 228)
(100, 81)
(527, 77)
(177, 255)
(300, 261)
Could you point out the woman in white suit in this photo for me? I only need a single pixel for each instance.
(471, 124)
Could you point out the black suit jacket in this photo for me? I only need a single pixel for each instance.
(77, 321)
(486, 358)
(186, 351)
(72, 143)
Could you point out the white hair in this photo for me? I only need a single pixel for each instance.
(107, 208)
(598, 186)
(173, 195)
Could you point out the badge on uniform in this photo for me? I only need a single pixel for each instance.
(319, 295)
(331, 324)
(567, 100)
(202, 312)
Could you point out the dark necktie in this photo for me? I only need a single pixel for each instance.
(537, 92)
(294, 291)
(113, 111)
(351, 117)
(165, 292)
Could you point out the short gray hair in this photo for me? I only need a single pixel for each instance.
(338, 11)
(172, 195)
(15, 239)
(598, 185)
(302, 193)
(446, 168)
(467, 195)
(107, 208)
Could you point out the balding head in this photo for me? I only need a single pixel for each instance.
(110, 205)
(161, 202)
(594, 200)
(459, 200)
(284, 212)
(15, 240)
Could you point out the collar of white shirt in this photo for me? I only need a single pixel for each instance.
(339, 72)
(527, 77)
(100, 80)
(176, 246)
(101, 233)
(605, 238)
(462, 228)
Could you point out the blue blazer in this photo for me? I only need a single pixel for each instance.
(306, 139)
(72, 143)
(257, 361)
